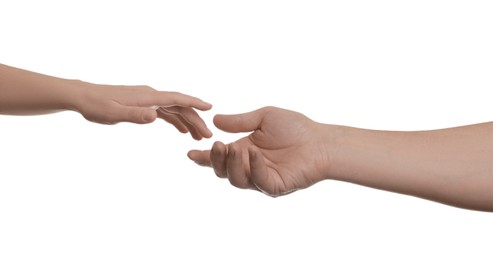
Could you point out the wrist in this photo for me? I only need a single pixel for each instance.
(331, 147)
(77, 95)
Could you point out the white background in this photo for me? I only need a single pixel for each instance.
(71, 189)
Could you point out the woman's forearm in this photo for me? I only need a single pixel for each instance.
(24, 92)
(452, 166)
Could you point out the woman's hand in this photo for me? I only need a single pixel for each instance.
(107, 104)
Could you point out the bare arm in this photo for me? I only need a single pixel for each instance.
(452, 166)
(28, 93)
(287, 151)
(24, 92)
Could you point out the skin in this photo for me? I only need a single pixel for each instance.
(287, 151)
(24, 92)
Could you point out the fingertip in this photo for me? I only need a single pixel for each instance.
(204, 131)
(203, 106)
(196, 137)
(218, 121)
(208, 105)
(190, 154)
(182, 130)
(199, 157)
(207, 133)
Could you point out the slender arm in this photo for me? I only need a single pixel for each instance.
(28, 93)
(25, 92)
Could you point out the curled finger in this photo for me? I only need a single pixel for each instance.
(218, 159)
(174, 120)
(237, 173)
(192, 117)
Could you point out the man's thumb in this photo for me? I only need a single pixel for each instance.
(246, 122)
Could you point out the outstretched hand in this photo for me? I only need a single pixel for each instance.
(284, 152)
(141, 104)
(24, 92)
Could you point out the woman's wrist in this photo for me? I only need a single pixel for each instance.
(76, 94)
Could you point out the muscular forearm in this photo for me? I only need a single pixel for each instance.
(452, 166)
(28, 93)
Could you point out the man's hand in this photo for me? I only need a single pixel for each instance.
(284, 153)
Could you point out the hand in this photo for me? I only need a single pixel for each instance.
(284, 153)
(107, 104)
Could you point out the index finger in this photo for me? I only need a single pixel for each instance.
(167, 99)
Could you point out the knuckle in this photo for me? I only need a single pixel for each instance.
(267, 108)
(146, 87)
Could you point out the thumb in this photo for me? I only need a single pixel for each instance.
(246, 122)
(138, 115)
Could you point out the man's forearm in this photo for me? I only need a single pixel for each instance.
(28, 93)
(452, 166)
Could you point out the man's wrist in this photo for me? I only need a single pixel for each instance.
(332, 145)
